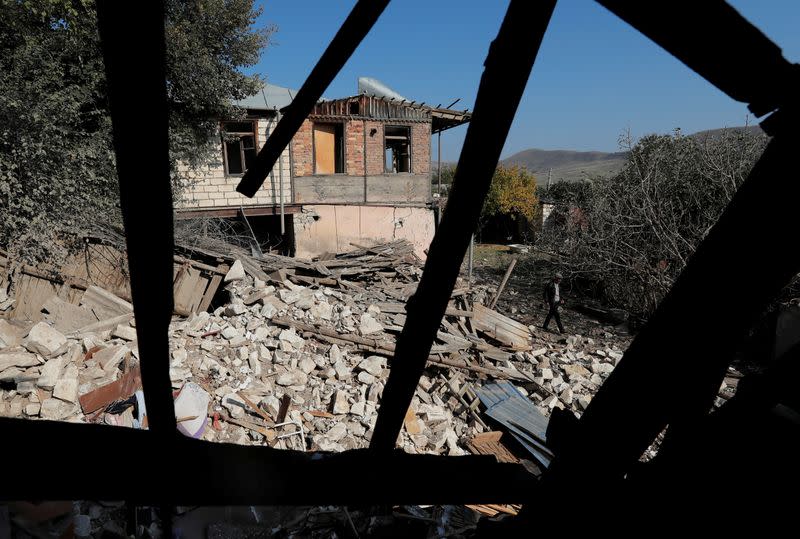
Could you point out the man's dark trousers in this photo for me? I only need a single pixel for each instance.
(553, 313)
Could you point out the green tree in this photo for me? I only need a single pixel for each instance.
(57, 171)
(512, 200)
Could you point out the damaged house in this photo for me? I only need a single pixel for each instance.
(356, 173)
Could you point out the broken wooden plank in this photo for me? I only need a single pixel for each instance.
(212, 288)
(500, 327)
(503, 283)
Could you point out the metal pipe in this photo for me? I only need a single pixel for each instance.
(439, 165)
(280, 183)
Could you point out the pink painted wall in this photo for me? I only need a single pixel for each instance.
(332, 228)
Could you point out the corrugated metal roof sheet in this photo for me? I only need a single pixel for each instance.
(271, 97)
(506, 405)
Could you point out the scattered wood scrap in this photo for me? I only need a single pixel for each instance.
(501, 328)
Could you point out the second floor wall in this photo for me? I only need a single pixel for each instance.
(352, 160)
(214, 184)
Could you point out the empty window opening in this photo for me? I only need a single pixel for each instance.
(239, 144)
(354, 108)
(328, 148)
(397, 154)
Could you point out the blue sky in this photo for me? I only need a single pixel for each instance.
(595, 77)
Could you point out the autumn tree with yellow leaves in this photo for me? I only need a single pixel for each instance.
(512, 205)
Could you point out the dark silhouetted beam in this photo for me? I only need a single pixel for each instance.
(507, 67)
(132, 37)
(113, 463)
(353, 30)
(672, 370)
(720, 45)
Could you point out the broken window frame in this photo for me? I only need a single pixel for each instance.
(237, 136)
(386, 138)
(340, 164)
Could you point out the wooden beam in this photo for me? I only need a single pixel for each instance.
(507, 67)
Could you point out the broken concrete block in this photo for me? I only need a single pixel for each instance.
(305, 302)
(110, 358)
(254, 362)
(268, 310)
(229, 332)
(365, 378)
(293, 378)
(374, 392)
(10, 335)
(289, 296)
(66, 389)
(547, 374)
(335, 355)
(336, 432)
(124, 332)
(51, 372)
(236, 273)
(234, 404)
(237, 341)
(615, 356)
(550, 402)
(25, 387)
(321, 311)
(254, 297)
(576, 371)
(45, 341)
(55, 409)
(307, 365)
(32, 409)
(235, 309)
(18, 359)
(373, 365)
(369, 325)
(340, 404)
(358, 408)
(583, 401)
(602, 368)
(538, 352)
(289, 335)
(342, 370)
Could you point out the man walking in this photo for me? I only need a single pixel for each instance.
(552, 295)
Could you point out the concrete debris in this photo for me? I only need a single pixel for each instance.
(45, 340)
(124, 332)
(236, 273)
(369, 325)
(340, 404)
(309, 346)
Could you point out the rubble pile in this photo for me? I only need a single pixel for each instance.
(297, 357)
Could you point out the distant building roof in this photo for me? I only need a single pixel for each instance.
(393, 105)
(271, 97)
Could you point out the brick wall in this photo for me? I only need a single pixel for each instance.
(421, 148)
(375, 148)
(208, 187)
(354, 147)
(303, 150)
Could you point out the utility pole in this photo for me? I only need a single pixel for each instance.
(549, 177)
(439, 165)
